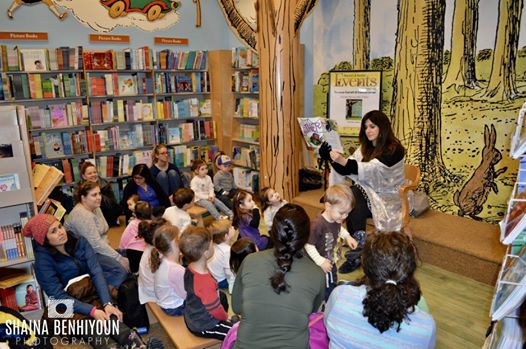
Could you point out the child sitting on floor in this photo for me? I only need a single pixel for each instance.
(204, 314)
(246, 219)
(239, 250)
(203, 189)
(222, 231)
(183, 199)
(168, 273)
(272, 202)
(130, 239)
(325, 230)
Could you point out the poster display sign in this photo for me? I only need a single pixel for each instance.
(351, 95)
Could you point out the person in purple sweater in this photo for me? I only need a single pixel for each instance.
(246, 219)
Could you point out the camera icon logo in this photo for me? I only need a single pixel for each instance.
(60, 308)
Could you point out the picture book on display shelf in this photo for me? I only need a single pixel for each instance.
(515, 221)
(518, 141)
(317, 130)
(511, 286)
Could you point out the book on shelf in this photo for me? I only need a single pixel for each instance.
(184, 83)
(317, 130)
(518, 141)
(511, 286)
(9, 182)
(45, 179)
(98, 60)
(54, 208)
(127, 85)
(28, 296)
(13, 244)
(34, 59)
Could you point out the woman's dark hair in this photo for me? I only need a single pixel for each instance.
(289, 233)
(386, 143)
(162, 241)
(147, 229)
(143, 171)
(70, 246)
(239, 250)
(389, 261)
(84, 189)
(238, 212)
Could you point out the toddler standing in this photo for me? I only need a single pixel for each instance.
(204, 314)
(203, 188)
(326, 229)
(272, 202)
(219, 265)
(168, 273)
(246, 219)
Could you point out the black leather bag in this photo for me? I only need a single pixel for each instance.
(310, 179)
(135, 315)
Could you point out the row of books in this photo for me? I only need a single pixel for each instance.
(180, 82)
(246, 179)
(40, 59)
(171, 60)
(124, 137)
(190, 131)
(36, 86)
(13, 244)
(249, 132)
(246, 156)
(126, 59)
(245, 81)
(184, 108)
(57, 115)
(244, 58)
(50, 145)
(114, 84)
(182, 156)
(120, 111)
(247, 107)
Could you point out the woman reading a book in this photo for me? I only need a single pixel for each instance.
(86, 220)
(147, 188)
(377, 169)
(385, 307)
(164, 172)
(60, 257)
(109, 205)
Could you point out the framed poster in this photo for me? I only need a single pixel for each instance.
(351, 95)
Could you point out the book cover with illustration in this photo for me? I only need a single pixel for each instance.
(127, 85)
(34, 59)
(53, 145)
(27, 296)
(317, 130)
(184, 83)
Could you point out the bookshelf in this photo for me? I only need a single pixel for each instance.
(110, 107)
(17, 205)
(510, 288)
(245, 151)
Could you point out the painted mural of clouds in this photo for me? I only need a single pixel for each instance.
(93, 14)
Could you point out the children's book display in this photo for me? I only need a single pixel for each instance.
(518, 141)
(317, 130)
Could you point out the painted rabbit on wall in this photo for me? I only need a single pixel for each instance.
(17, 3)
(471, 198)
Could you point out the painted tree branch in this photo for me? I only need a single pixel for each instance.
(239, 25)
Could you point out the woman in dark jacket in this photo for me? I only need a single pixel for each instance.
(109, 205)
(147, 188)
(60, 257)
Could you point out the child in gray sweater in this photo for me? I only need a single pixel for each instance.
(224, 185)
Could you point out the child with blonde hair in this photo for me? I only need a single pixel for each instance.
(168, 273)
(272, 202)
(222, 231)
(246, 219)
(327, 228)
(203, 189)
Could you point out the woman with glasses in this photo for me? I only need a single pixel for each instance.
(147, 188)
(164, 172)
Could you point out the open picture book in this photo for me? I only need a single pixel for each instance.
(317, 130)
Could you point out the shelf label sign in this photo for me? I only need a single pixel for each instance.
(29, 36)
(125, 39)
(170, 41)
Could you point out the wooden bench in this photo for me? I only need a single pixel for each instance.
(198, 212)
(176, 329)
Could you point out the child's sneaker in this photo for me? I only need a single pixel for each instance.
(154, 343)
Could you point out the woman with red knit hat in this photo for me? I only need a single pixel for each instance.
(61, 257)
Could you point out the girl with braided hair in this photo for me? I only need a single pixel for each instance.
(384, 308)
(274, 310)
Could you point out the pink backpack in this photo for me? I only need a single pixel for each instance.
(317, 334)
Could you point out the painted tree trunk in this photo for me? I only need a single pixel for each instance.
(417, 89)
(361, 34)
(280, 137)
(461, 70)
(502, 84)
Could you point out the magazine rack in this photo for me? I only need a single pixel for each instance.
(518, 141)
(515, 220)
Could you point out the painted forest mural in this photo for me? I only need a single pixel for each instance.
(454, 79)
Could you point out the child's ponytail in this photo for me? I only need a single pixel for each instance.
(155, 260)
(162, 241)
